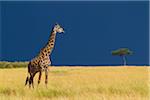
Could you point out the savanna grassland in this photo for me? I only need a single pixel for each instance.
(78, 83)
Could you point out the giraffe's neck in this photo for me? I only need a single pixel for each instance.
(46, 51)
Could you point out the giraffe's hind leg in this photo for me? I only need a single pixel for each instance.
(27, 78)
(31, 80)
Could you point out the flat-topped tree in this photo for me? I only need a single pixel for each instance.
(122, 52)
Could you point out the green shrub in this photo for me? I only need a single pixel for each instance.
(5, 64)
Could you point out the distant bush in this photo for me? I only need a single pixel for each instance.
(5, 64)
(9, 66)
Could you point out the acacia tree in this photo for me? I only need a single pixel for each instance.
(122, 52)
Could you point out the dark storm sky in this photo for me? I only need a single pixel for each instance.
(93, 30)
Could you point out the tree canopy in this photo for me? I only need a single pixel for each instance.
(122, 52)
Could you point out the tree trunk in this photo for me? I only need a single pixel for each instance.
(124, 60)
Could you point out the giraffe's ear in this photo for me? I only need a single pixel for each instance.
(56, 23)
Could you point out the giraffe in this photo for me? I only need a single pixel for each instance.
(42, 60)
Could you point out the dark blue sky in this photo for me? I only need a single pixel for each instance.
(93, 30)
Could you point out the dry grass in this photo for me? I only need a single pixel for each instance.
(78, 83)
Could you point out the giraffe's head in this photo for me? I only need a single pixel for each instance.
(57, 28)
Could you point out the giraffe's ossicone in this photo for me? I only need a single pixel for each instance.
(42, 60)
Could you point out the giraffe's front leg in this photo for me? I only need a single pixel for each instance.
(31, 81)
(46, 75)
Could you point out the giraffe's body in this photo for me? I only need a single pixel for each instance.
(42, 60)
